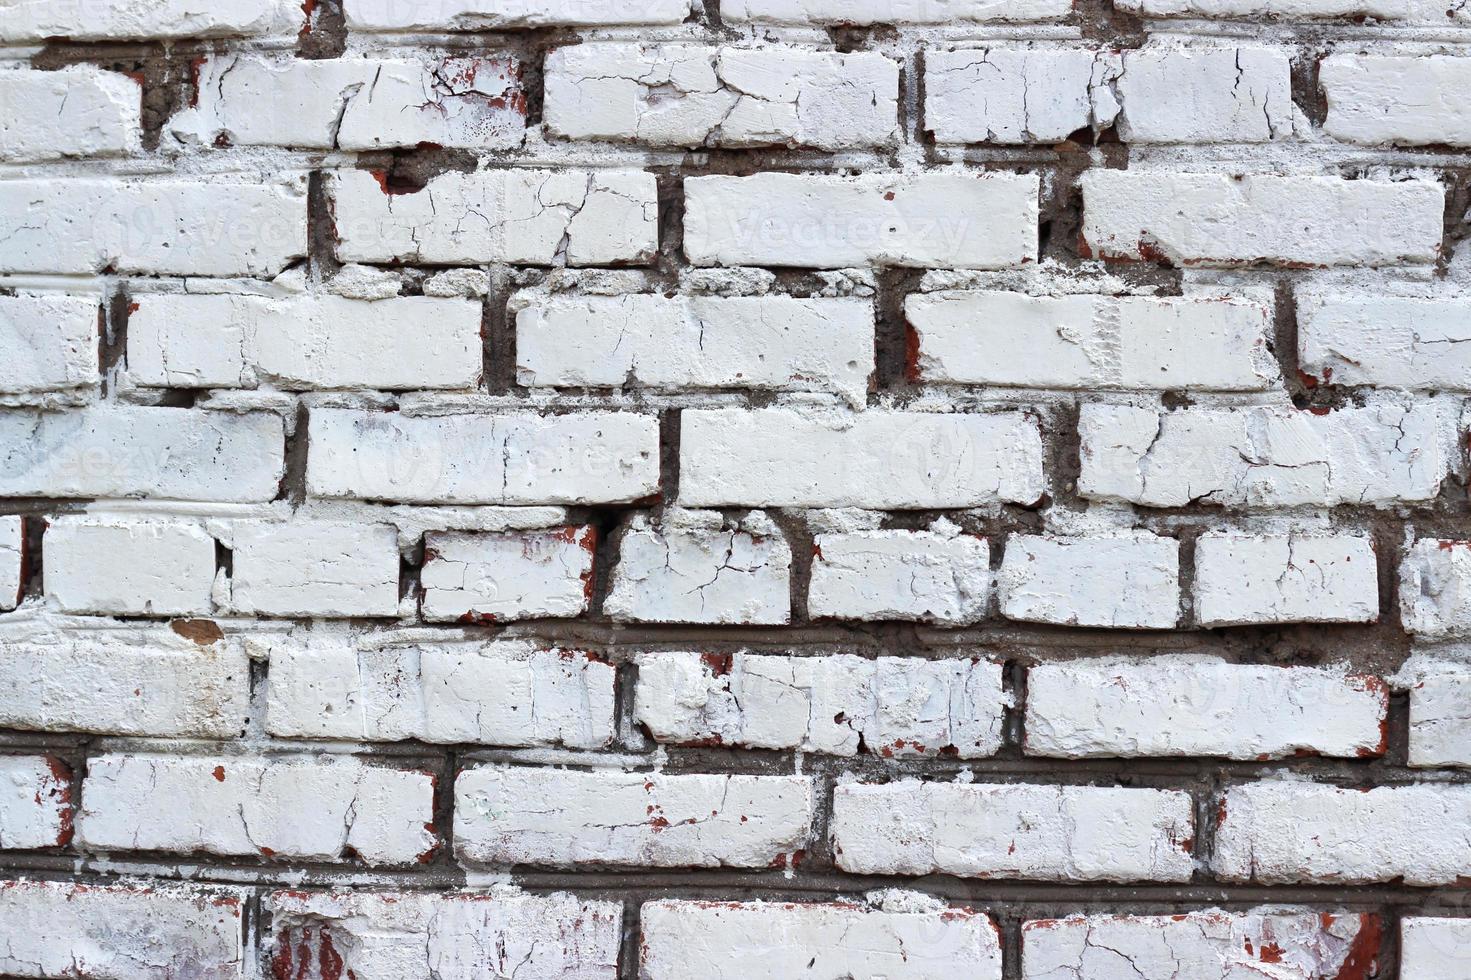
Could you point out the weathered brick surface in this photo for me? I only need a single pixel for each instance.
(1045, 833)
(802, 488)
(126, 931)
(1167, 706)
(892, 707)
(684, 939)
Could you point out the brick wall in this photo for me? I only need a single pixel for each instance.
(605, 490)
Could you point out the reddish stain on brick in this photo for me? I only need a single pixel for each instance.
(220, 773)
(1362, 960)
(201, 631)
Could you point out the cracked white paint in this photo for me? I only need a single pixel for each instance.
(1124, 581)
(111, 450)
(1242, 579)
(511, 458)
(926, 576)
(931, 220)
(12, 559)
(1283, 831)
(79, 111)
(1224, 220)
(773, 343)
(1264, 457)
(1034, 833)
(878, 459)
(698, 95)
(694, 568)
(782, 940)
(304, 342)
(152, 227)
(1190, 706)
(154, 684)
(1440, 717)
(560, 818)
(1416, 343)
(479, 15)
(528, 217)
(397, 935)
(128, 568)
(864, 12)
(1416, 11)
(157, 931)
(50, 342)
(1091, 341)
(1435, 589)
(82, 20)
(355, 103)
(896, 707)
(313, 568)
(1283, 944)
(506, 693)
(289, 808)
(35, 804)
(1190, 94)
(491, 578)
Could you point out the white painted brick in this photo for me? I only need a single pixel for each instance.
(1440, 719)
(304, 342)
(695, 95)
(864, 12)
(177, 227)
(1173, 94)
(128, 568)
(479, 15)
(516, 458)
(896, 707)
(1038, 833)
(122, 451)
(12, 561)
(1435, 589)
(702, 573)
(397, 935)
(775, 343)
(1285, 578)
(1223, 220)
(971, 220)
(784, 457)
(490, 578)
(79, 111)
(1415, 10)
(1179, 706)
(1408, 342)
(81, 20)
(1400, 99)
(1088, 341)
(160, 685)
(1280, 831)
(561, 818)
(529, 217)
(777, 941)
(1434, 949)
(1126, 581)
(1279, 942)
(1262, 457)
(355, 103)
(314, 568)
(325, 810)
(35, 803)
(1013, 95)
(50, 342)
(154, 931)
(904, 575)
(503, 693)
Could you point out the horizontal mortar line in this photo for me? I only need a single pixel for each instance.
(722, 883)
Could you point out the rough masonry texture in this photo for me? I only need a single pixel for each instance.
(735, 489)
